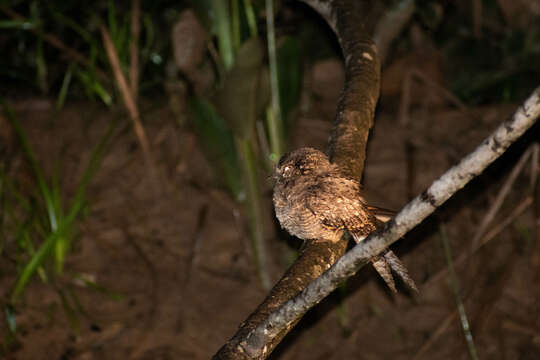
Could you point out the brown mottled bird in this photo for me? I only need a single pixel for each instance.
(315, 201)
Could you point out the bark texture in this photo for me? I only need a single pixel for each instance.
(353, 21)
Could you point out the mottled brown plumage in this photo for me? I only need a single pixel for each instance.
(314, 201)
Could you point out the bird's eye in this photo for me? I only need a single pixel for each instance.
(286, 171)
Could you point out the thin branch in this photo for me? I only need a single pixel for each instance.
(410, 216)
(127, 96)
(496, 230)
(454, 282)
(501, 196)
(391, 25)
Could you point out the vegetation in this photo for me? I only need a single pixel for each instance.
(243, 116)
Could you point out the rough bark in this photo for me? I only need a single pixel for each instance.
(254, 346)
(302, 287)
(314, 259)
(353, 21)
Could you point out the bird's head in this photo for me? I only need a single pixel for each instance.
(301, 162)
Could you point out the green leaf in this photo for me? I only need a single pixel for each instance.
(65, 86)
(223, 31)
(45, 190)
(93, 86)
(16, 24)
(236, 101)
(31, 267)
(11, 319)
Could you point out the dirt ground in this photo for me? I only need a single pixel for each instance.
(174, 245)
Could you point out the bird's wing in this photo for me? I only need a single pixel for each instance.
(339, 206)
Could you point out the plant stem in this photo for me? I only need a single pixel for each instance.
(245, 149)
(274, 117)
(454, 282)
(223, 32)
(251, 20)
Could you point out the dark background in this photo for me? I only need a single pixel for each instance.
(160, 265)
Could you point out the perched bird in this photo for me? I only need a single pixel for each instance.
(314, 201)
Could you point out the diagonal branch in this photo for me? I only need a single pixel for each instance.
(348, 146)
(301, 287)
(128, 97)
(353, 21)
(410, 216)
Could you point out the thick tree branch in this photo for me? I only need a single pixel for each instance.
(410, 216)
(354, 20)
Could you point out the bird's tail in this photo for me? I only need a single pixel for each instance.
(388, 261)
(383, 268)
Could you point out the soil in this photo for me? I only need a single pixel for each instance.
(169, 248)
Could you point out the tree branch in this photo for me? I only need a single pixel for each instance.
(410, 216)
(353, 20)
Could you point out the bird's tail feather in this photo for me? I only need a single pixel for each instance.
(385, 263)
(383, 268)
(395, 264)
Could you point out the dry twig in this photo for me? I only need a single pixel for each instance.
(127, 96)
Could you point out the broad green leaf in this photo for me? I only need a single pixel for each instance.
(236, 101)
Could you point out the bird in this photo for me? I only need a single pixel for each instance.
(315, 201)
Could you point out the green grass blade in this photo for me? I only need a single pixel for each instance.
(275, 122)
(16, 24)
(11, 318)
(63, 242)
(235, 25)
(223, 32)
(65, 86)
(41, 67)
(92, 86)
(253, 202)
(45, 191)
(251, 19)
(60, 247)
(454, 282)
(35, 262)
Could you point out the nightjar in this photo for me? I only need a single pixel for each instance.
(314, 201)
